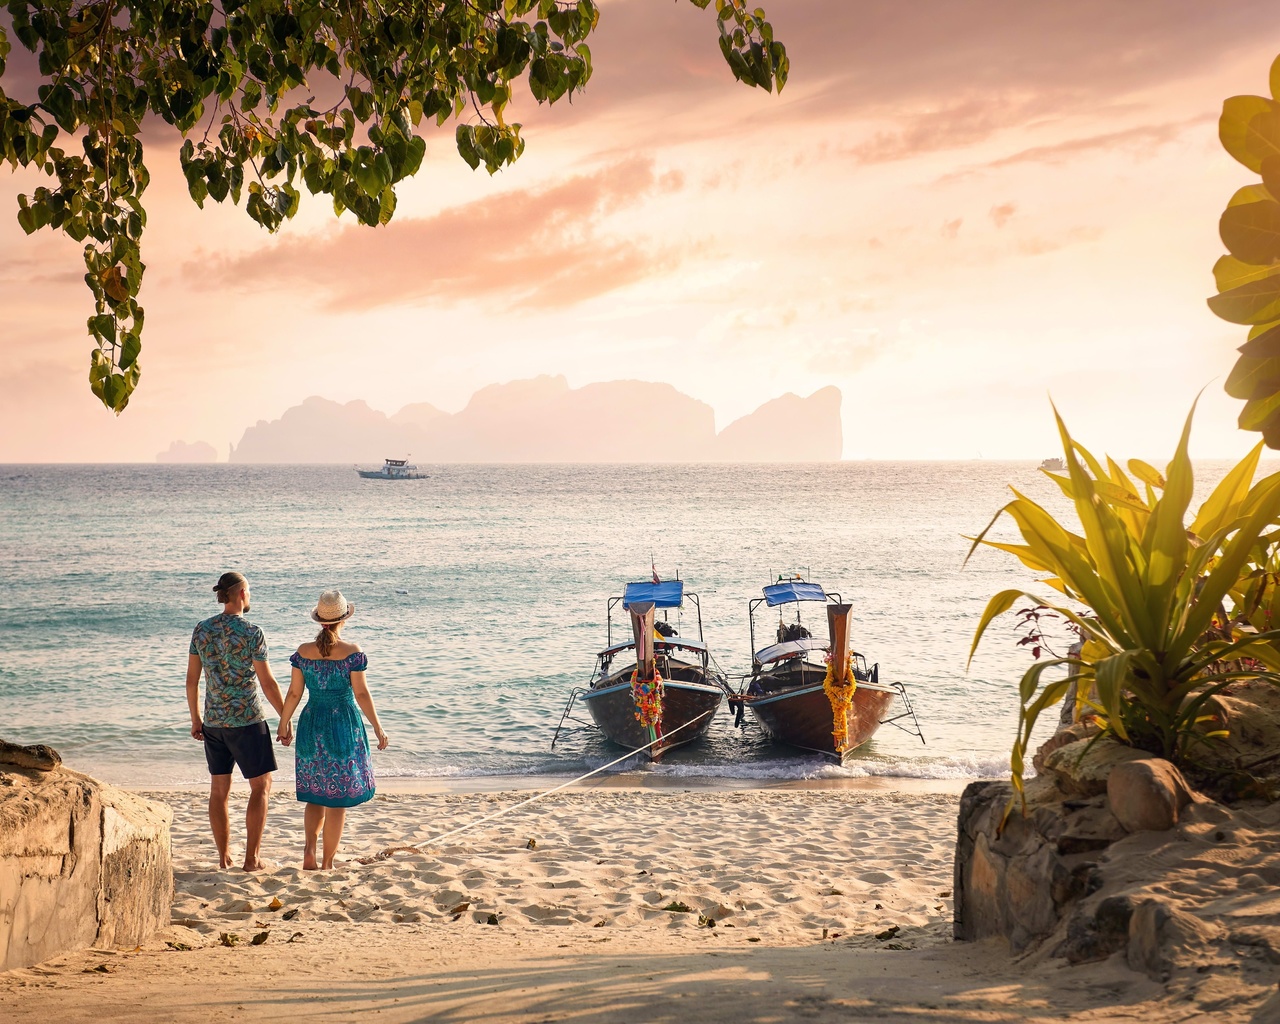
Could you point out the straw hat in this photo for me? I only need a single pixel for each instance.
(332, 608)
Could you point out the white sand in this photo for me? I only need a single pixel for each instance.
(560, 911)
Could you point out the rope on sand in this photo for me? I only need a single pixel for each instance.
(419, 847)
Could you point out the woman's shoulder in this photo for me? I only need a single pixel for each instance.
(340, 651)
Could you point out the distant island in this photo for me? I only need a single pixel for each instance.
(181, 451)
(544, 420)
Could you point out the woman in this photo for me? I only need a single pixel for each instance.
(333, 769)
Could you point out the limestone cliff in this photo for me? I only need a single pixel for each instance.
(544, 420)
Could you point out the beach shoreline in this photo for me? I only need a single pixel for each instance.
(599, 904)
(433, 785)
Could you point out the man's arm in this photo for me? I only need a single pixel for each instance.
(193, 695)
(270, 688)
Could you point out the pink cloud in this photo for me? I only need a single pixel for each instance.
(538, 248)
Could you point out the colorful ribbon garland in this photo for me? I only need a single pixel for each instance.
(646, 694)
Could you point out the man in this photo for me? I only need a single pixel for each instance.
(231, 651)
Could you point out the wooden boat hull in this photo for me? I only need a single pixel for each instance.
(801, 716)
(614, 712)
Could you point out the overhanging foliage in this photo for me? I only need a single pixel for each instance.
(1248, 279)
(241, 81)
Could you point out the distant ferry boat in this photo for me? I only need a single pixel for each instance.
(393, 469)
(1055, 464)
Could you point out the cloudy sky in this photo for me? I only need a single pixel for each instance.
(953, 212)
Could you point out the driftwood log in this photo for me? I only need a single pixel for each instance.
(38, 756)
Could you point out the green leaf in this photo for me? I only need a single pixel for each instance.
(1252, 232)
(1224, 504)
(1261, 412)
(130, 351)
(1264, 344)
(998, 605)
(1235, 129)
(1230, 272)
(1253, 378)
(1256, 302)
(386, 205)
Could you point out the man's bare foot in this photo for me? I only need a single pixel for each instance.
(309, 860)
(258, 864)
(224, 860)
(327, 865)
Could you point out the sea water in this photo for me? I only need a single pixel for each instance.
(481, 597)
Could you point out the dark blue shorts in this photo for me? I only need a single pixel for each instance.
(247, 746)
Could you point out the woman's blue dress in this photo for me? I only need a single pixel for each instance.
(332, 761)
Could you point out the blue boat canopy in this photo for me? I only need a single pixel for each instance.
(792, 591)
(667, 594)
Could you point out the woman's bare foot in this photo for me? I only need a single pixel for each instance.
(327, 864)
(224, 860)
(309, 859)
(256, 865)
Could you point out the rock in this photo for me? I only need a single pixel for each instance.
(1147, 795)
(1070, 734)
(1096, 933)
(37, 756)
(1081, 768)
(1020, 881)
(1250, 713)
(1161, 937)
(81, 863)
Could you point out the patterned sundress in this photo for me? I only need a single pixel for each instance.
(332, 761)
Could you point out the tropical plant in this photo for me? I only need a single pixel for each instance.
(273, 94)
(1248, 279)
(1168, 612)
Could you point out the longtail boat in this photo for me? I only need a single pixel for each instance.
(655, 690)
(816, 693)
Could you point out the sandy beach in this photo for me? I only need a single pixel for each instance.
(607, 904)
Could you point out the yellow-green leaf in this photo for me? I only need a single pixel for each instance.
(1234, 129)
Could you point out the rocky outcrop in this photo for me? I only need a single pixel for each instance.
(1117, 856)
(38, 756)
(81, 863)
(1019, 881)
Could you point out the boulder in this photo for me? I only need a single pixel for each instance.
(1018, 881)
(37, 756)
(81, 863)
(1071, 733)
(1082, 767)
(1249, 712)
(1147, 795)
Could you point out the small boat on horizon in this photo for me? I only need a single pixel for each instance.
(1053, 464)
(393, 469)
(815, 693)
(656, 690)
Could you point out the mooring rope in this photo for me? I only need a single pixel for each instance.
(418, 847)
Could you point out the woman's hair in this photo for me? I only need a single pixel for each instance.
(327, 637)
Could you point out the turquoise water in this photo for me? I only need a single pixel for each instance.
(481, 596)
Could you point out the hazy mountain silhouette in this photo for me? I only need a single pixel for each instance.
(786, 429)
(544, 420)
(181, 451)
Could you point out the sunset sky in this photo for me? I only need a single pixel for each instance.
(952, 212)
